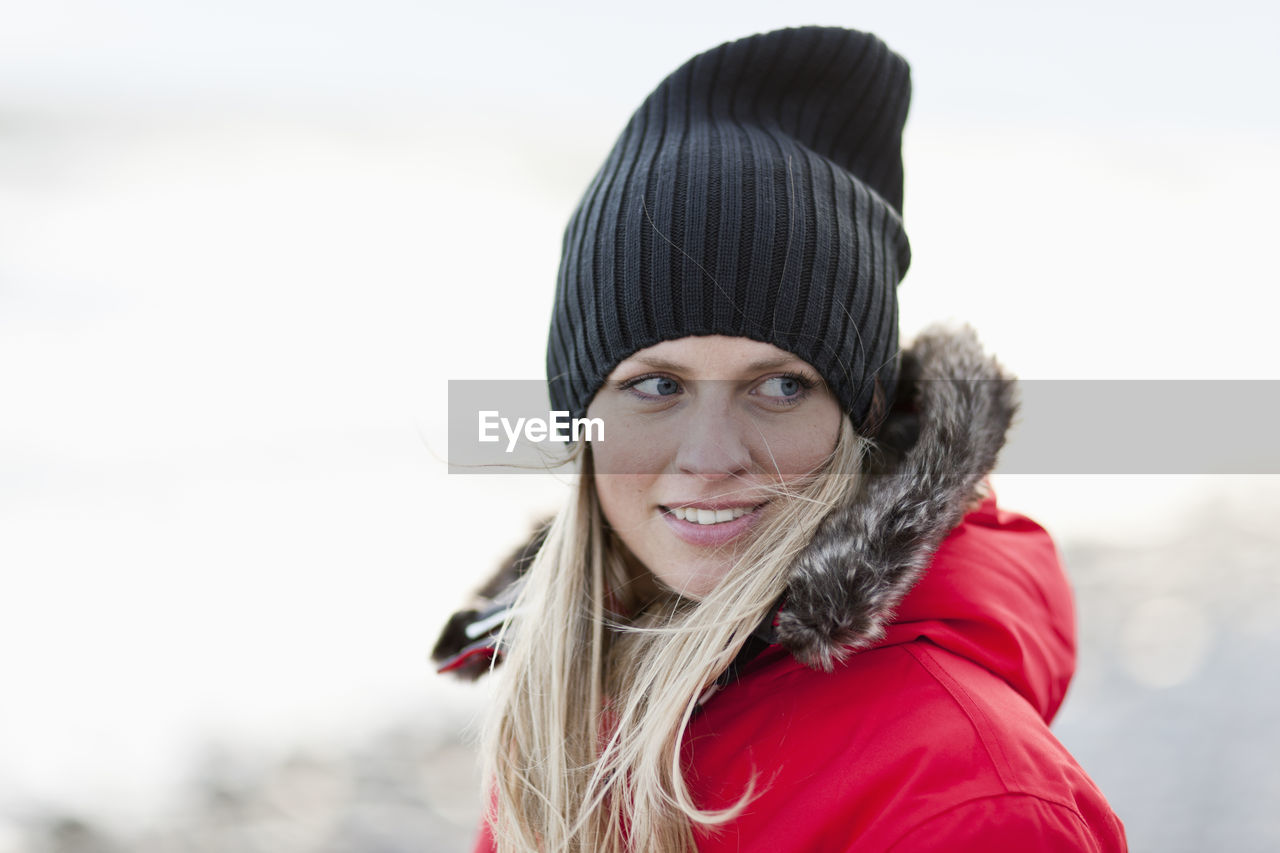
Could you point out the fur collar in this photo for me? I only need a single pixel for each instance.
(954, 407)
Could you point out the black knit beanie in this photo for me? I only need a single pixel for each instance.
(757, 192)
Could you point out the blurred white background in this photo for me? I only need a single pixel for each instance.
(244, 245)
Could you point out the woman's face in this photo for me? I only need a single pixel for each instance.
(696, 430)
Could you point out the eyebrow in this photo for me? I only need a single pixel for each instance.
(675, 367)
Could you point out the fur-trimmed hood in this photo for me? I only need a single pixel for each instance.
(954, 407)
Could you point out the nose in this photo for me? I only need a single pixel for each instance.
(714, 442)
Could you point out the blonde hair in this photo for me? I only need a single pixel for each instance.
(583, 745)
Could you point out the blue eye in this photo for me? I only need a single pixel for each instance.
(656, 386)
(785, 390)
(782, 386)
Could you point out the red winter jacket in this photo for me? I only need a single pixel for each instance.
(934, 739)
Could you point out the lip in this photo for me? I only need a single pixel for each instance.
(710, 535)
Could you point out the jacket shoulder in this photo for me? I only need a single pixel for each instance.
(1038, 785)
(1012, 822)
(892, 740)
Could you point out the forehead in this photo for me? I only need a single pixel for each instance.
(711, 356)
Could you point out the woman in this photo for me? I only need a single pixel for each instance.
(782, 610)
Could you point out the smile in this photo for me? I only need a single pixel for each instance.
(706, 527)
(698, 515)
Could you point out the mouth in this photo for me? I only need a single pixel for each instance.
(704, 525)
(702, 514)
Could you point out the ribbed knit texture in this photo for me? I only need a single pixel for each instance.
(757, 192)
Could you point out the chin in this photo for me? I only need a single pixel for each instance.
(695, 579)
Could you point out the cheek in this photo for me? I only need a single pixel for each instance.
(799, 448)
(625, 473)
(821, 442)
(632, 448)
(621, 498)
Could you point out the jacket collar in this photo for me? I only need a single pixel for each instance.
(955, 407)
(953, 410)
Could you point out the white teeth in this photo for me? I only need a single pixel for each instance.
(709, 516)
